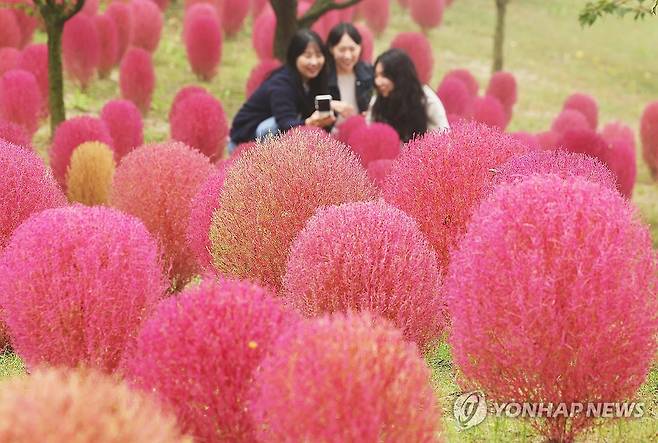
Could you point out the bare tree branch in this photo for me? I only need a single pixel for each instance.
(320, 7)
(78, 6)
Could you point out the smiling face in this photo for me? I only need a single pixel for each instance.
(383, 84)
(346, 53)
(310, 62)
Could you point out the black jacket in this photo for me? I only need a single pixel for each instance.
(282, 96)
(365, 82)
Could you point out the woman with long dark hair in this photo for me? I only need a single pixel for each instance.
(287, 97)
(401, 100)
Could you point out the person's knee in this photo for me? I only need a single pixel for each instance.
(267, 127)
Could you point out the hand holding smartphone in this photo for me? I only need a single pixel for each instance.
(323, 105)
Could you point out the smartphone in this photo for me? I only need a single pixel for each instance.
(323, 105)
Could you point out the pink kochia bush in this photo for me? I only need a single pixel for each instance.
(34, 59)
(490, 111)
(569, 119)
(455, 97)
(200, 122)
(580, 266)
(124, 123)
(462, 158)
(108, 44)
(198, 353)
(375, 13)
(76, 284)
(122, 15)
(585, 141)
(156, 183)
(376, 141)
(367, 256)
(619, 155)
(15, 134)
(203, 40)
(649, 137)
(20, 99)
(586, 105)
(9, 58)
(234, 13)
(427, 13)
(286, 178)
(80, 406)
(10, 31)
(137, 77)
(502, 85)
(259, 73)
(349, 126)
(182, 94)
(147, 24)
(465, 76)
(262, 36)
(71, 134)
(345, 378)
(367, 42)
(26, 23)
(419, 50)
(81, 49)
(378, 171)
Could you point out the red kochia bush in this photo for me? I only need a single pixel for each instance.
(376, 141)
(530, 140)
(259, 73)
(367, 42)
(78, 406)
(455, 97)
(262, 36)
(90, 7)
(15, 134)
(20, 99)
(378, 171)
(76, 283)
(182, 94)
(234, 13)
(71, 134)
(9, 58)
(419, 50)
(137, 77)
(198, 352)
(367, 256)
(34, 59)
(502, 85)
(465, 76)
(548, 139)
(156, 183)
(582, 272)
(200, 122)
(26, 23)
(426, 13)
(586, 105)
(122, 14)
(585, 141)
(286, 179)
(10, 32)
(109, 44)
(323, 371)
(490, 111)
(203, 40)
(619, 155)
(147, 24)
(462, 158)
(375, 13)
(81, 49)
(649, 137)
(348, 126)
(569, 119)
(124, 122)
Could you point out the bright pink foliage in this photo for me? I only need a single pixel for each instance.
(528, 139)
(109, 44)
(15, 134)
(200, 122)
(122, 14)
(375, 13)
(455, 97)
(344, 378)
(147, 24)
(262, 35)
(348, 126)
(124, 122)
(34, 59)
(586, 105)
(259, 73)
(81, 49)
(426, 13)
(137, 78)
(90, 8)
(9, 58)
(203, 41)
(585, 141)
(440, 179)
(26, 23)
(367, 42)
(548, 139)
(419, 49)
(378, 171)
(234, 14)
(465, 76)
(367, 256)
(490, 111)
(76, 283)
(182, 94)
(10, 32)
(620, 155)
(569, 119)
(375, 142)
(574, 262)
(156, 183)
(502, 85)
(649, 137)
(20, 99)
(198, 353)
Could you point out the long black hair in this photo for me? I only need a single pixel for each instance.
(338, 31)
(317, 85)
(404, 108)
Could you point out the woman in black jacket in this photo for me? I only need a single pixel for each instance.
(287, 97)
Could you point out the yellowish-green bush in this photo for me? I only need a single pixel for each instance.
(89, 176)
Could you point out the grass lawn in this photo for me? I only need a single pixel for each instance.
(551, 56)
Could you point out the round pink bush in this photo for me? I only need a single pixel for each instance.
(20, 99)
(162, 4)
(455, 97)
(234, 13)
(124, 123)
(109, 44)
(367, 42)
(198, 353)
(502, 85)
(465, 76)
(156, 183)
(199, 121)
(147, 24)
(649, 137)
(344, 378)
(376, 141)
(15, 134)
(9, 58)
(585, 141)
(548, 140)
(367, 256)
(528, 139)
(426, 13)
(490, 111)
(619, 155)
(137, 77)
(348, 126)
(618, 131)
(375, 13)
(203, 40)
(26, 23)
(81, 49)
(34, 59)
(90, 8)
(586, 105)
(462, 158)
(259, 73)
(286, 179)
(122, 15)
(71, 134)
(262, 35)
(76, 283)
(257, 6)
(419, 50)
(10, 32)
(569, 119)
(182, 94)
(378, 171)
(574, 261)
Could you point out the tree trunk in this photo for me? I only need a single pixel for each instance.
(499, 36)
(55, 29)
(286, 25)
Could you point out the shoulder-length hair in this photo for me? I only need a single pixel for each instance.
(296, 47)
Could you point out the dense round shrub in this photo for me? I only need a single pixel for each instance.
(89, 175)
(10, 32)
(90, 8)
(20, 99)
(259, 73)
(323, 371)
(375, 13)
(502, 85)
(585, 141)
(9, 58)
(419, 49)
(124, 122)
(162, 4)
(34, 59)
(367, 42)
(156, 183)
(528, 139)
(618, 131)
(257, 6)
(81, 49)
(76, 283)
(465, 76)
(619, 155)
(182, 94)
(26, 23)
(122, 14)
(198, 352)
(137, 77)
(586, 105)
(427, 13)
(147, 24)
(649, 137)
(15, 134)
(203, 40)
(348, 126)
(490, 111)
(200, 122)
(376, 141)
(262, 35)
(569, 119)
(71, 134)
(455, 97)
(548, 140)
(234, 14)
(286, 178)
(109, 44)
(582, 272)
(367, 256)
(462, 158)
(79, 406)
(378, 171)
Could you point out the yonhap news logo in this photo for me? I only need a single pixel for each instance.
(471, 408)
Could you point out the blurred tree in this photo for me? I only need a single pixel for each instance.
(499, 35)
(593, 10)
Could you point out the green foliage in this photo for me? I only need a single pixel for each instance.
(593, 10)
